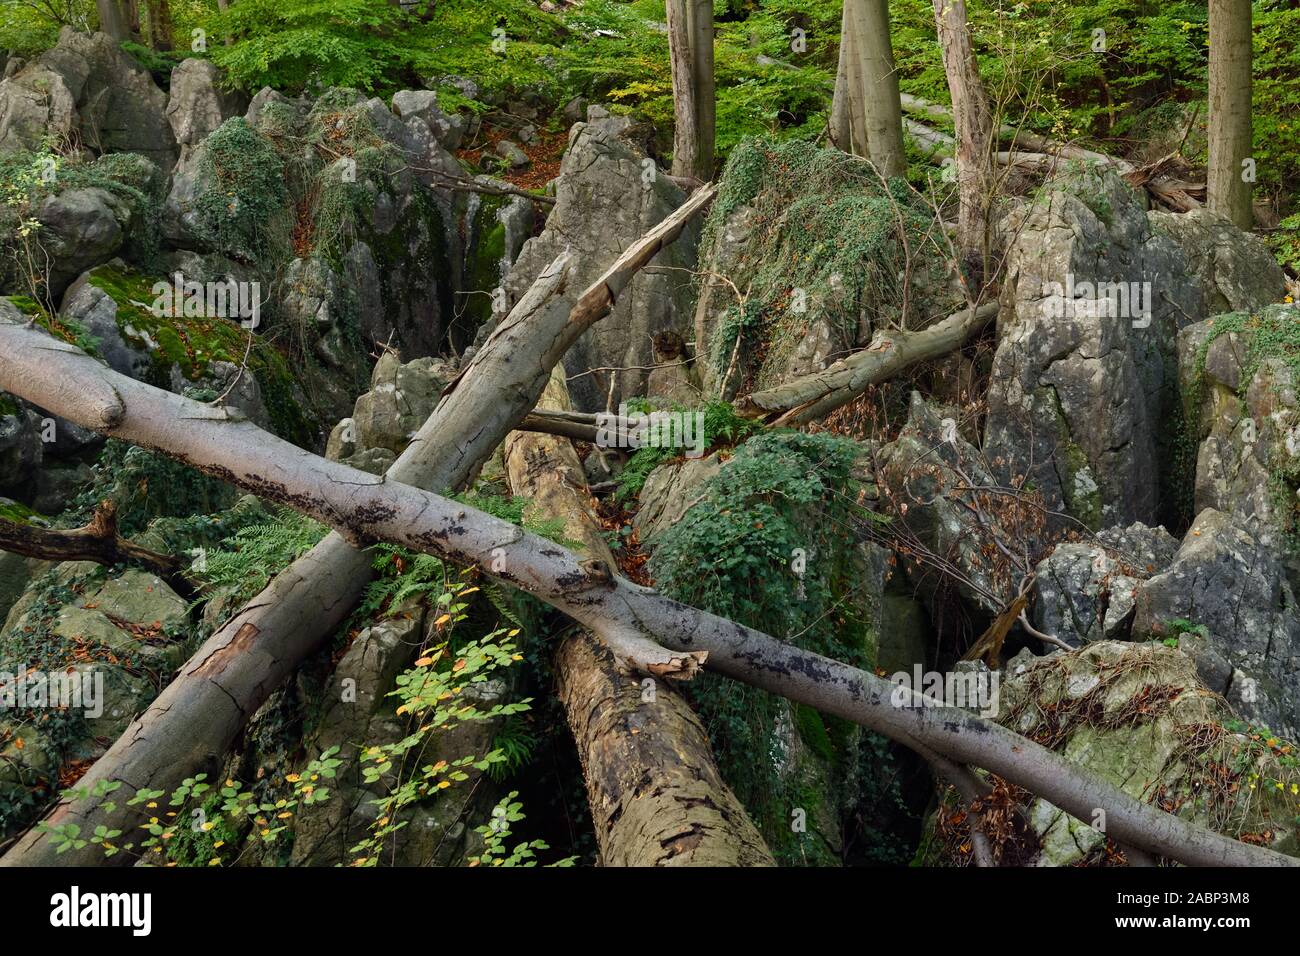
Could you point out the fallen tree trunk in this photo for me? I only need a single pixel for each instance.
(98, 541)
(1176, 194)
(814, 396)
(629, 619)
(656, 796)
(193, 723)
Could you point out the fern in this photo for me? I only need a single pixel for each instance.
(246, 561)
(516, 743)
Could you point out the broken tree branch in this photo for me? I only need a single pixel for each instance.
(194, 721)
(68, 383)
(98, 541)
(814, 396)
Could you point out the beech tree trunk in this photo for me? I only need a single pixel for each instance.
(193, 722)
(113, 19)
(845, 105)
(643, 629)
(1230, 105)
(656, 796)
(706, 106)
(867, 115)
(690, 46)
(160, 25)
(816, 395)
(974, 124)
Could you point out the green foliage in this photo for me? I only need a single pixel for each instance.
(497, 831)
(245, 562)
(159, 63)
(27, 29)
(308, 45)
(27, 178)
(1286, 243)
(242, 198)
(192, 343)
(770, 545)
(312, 44)
(401, 576)
(631, 67)
(517, 742)
(722, 427)
(433, 695)
(146, 485)
(831, 240)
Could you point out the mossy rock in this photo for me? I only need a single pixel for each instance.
(191, 344)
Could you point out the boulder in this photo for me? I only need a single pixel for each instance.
(1242, 407)
(1235, 270)
(1095, 294)
(1229, 599)
(512, 153)
(1138, 716)
(133, 614)
(35, 103)
(87, 304)
(21, 449)
(1085, 591)
(198, 102)
(86, 227)
(447, 129)
(605, 201)
(119, 108)
(918, 473)
(400, 399)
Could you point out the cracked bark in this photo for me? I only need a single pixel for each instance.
(815, 396)
(98, 541)
(189, 725)
(42, 370)
(656, 796)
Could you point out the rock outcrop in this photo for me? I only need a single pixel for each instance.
(607, 197)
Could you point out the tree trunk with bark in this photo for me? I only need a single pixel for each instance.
(160, 25)
(706, 106)
(974, 124)
(844, 135)
(98, 541)
(867, 116)
(656, 796)
(113, 19)
(1230, 117)
(814, 396)
(690, 45)
(644, 630)
(194, 721)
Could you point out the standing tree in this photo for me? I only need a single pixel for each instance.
(974, 126)
(160, 25)
(866, 115)
(690, 42)
(1230, 104)
(113, 19)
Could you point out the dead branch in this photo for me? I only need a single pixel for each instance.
(814, 396)
(58, 377)
(98, 541)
